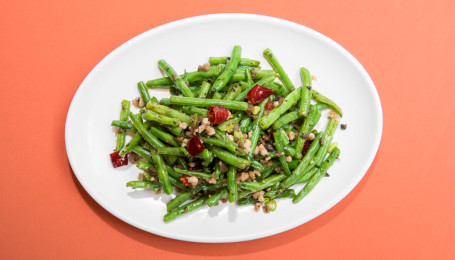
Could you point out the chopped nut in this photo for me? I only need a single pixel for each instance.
(183, 125)
(262, 150)
(204, 67)
(257, 206)
(288, 159)
(211, 180)
(210, 130)
(311, 136)
(291, 135)
(333, 115)
(259, 195)
(247, 146)
(138, 102)
(242, 177)
(193, 180)
(185, 142)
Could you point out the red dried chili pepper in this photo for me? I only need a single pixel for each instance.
(306, 146)
(195, 146)
(268, 105)
(184, 180)
(258, 93)
(118, 160)
(217, 114)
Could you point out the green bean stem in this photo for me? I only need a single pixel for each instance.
(318, 176)
(323, 99)
(144, 92)
(306, 91)
(280, 149)
(162, 172)
(178, 81)
(180, 211)
(232, 184)
(230, 158)
(279, 70)
(121, 136)
(231, 68)
(275, 113)
(201, 102)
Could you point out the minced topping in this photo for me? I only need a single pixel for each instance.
(138, 102)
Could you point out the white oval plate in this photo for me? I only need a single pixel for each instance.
(185, 44)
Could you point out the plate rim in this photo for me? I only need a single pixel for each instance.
(256, 17)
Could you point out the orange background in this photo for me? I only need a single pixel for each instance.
(404, 207)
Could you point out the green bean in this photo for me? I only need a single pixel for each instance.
(195, 110)
(144, 92)
(162, 172)
(191, 77)
(231, 68)
(256, 74)
(293, 164)
(279, 70)
(321, 106)
(306, 176)
(249, 78)
(244, 193)
(268, 170)
(151, 139)
(184, 209)
(257, 186)
(289, 151)
(144, 153)
(310, 121)
(176, 182)
(143, 166)
(178, 81)
(131, 144)
(232, 184)
(201, 102)
(234, 92)
(244, 124)
(306, 91)
(323, 99)
(121, 124)
(165, 120)
(318, 176)
(176, 151)
(230, 158)
(163, 136)
(193, 173)
(275, 113)
(215, 198)
(224, 60)
(169, 112)
(257, 165)
(273, 190)
(286, 119)
(280, 149)
(143, 185)
(177, 131)
(304, 163)
(228, 144)
(332, 146)
(181, 198)
(255, 127)
(247, 201)
(205, 88)
(288, 193)
(231, 123)
(124, 118)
